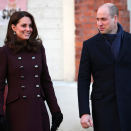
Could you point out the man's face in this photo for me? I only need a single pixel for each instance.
(106, 24)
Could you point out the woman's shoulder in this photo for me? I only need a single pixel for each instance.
(5, 47)
(2, 50)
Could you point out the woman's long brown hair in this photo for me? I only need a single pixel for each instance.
(32, 44)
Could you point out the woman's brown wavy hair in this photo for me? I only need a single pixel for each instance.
(32, 44)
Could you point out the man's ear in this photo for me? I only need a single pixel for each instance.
(13, 27)
(115, 18)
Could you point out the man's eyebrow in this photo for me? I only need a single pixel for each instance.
(101, 18)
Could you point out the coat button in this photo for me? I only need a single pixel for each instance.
(21, 67)
(38, 96)
(36, 66)
(19, 58)
(36, 76)
(24, 97)
(23, 87)
(33, 57)
(37, 86)
(22, 77)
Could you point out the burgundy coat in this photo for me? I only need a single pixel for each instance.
(29, 84)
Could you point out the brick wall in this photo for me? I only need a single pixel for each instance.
(85, 22)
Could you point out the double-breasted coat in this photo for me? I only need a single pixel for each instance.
(29, 84)
(111, 93)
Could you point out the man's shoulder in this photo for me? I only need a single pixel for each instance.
(127, 33)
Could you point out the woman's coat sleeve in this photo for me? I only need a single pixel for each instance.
(47, 86)
(3, 70)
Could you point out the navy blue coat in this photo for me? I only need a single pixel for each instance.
(111, 93)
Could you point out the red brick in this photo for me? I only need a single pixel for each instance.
(120, 19)
(116, 2)
(85, 32)
(84, 20)
(124, 1)
(78, 56)
(77, 20)
(94, 13)
(78, 50)
(92, 19)
(76, 74)
(79, 38)
(88, 2)
(124, 13)
(77, 67)
(78, 1)
(90, 7)
(88, 13)
(78, 14)
(79, 44)
(126, 25)
(87, 37)
(77, 62)
(79, 32)
(96, 6)
(80, 7)
(121, 7)
(87, 26)
(98, 2)
(124, 19)
(78, 26)
(93, 32)
(107, 1)
(94, 26)
(81, 20)
(127, 30)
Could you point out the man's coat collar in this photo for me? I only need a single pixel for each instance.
(126, 42)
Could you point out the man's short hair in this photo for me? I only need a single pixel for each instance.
(113, 10)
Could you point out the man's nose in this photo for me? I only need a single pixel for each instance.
(99, 22)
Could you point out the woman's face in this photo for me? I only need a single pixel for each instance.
(12, 2)
(23, 29)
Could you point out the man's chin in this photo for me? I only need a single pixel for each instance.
(102, 32)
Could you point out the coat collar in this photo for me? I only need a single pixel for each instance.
(104, 47)
(14, 53)
(126, 42)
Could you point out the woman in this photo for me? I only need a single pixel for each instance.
(23, 63)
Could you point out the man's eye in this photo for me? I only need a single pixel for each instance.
(97, 19)
(104, 19)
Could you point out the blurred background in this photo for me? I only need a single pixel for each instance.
(63, 25)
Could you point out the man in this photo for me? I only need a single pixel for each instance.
(107, 56)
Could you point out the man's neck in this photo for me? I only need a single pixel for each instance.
(115, 30)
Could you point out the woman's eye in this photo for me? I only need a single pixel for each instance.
(30, 25)
(23, 25)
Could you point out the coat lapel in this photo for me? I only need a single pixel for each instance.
(124, 46)
(103, 46)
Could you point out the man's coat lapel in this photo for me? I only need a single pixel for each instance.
(124, 46)
(104, 47)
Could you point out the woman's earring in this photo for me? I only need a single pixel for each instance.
(14, 33)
